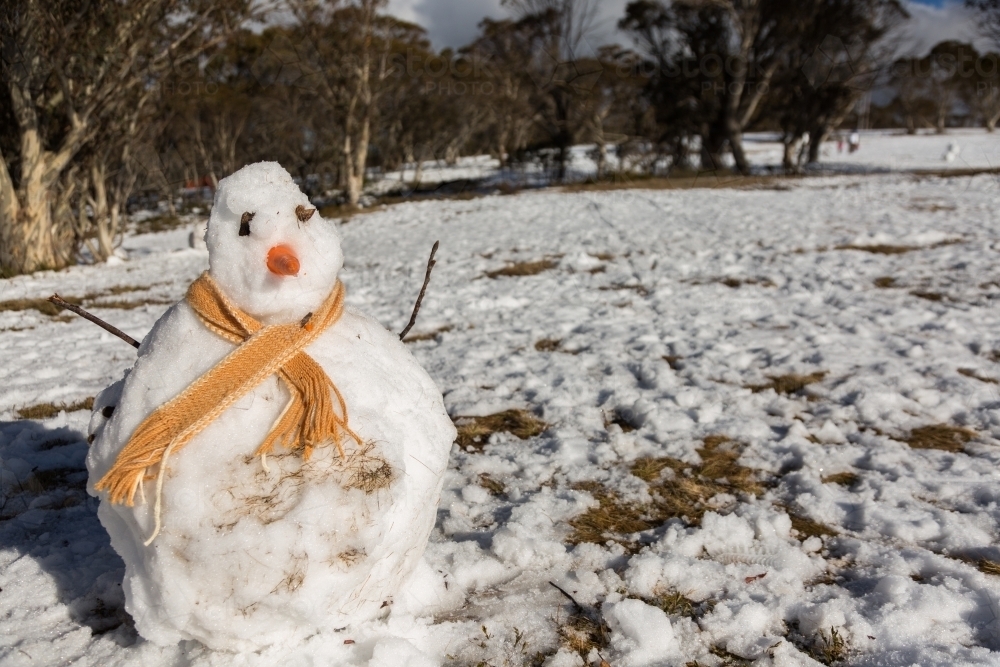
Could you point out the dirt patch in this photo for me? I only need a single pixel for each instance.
(788, 384)
(475, 432)
(945, 437)
(49, 410)
(523, 269)
(885, 282)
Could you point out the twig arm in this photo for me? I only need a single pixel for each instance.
(423, 290)
(57, 300)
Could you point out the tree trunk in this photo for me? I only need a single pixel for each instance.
(29, 239)
(735, 136)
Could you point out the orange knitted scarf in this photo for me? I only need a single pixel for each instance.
(308, 420)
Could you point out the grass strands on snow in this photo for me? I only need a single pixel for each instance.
(885, 282)
(49, 410)
(475, 432)
(940, 436)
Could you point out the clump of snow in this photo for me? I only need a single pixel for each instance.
(641, 635)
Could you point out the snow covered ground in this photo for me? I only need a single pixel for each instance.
(881, 151)
(735, 386)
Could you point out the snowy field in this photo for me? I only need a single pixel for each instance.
(771, 431)
(881, 151)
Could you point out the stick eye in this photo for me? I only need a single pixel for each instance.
(245, 223)
(303, 213)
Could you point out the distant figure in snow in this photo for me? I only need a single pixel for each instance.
(953, 151)
(840, 143)
(854, 142)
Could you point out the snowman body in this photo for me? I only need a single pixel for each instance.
(255, 552)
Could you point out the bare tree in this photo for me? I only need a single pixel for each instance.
(68, 69)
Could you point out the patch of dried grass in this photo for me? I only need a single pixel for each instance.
(788, 384)
(49, 410)
(44, 306)
(583, 633)
(474, 432)
(548, 344)
(847, 479)
(929, 296)
(885, 282)
(429, 335)
(806, 527)
(944, 437)
(684, 496)
(641, 290)
(494, 486)
(523, 269)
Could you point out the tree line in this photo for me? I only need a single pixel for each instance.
(103, 101)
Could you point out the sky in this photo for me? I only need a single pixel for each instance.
(453, 22)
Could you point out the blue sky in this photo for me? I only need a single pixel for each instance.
(453, 22)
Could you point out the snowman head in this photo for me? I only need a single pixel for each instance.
(268, 249)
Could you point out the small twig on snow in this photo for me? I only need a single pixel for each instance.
(423, 290)
(579, 607)
(57, 300)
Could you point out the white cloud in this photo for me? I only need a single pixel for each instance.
(928, 26)
(455, 23)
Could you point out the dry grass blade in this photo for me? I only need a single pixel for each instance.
(49, 410)
(474, 432)
(945, 437)
(523, 269)
(788, 384)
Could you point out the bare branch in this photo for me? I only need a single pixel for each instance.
(423, 290)
(57, 300)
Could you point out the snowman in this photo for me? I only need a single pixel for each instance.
(270, 468)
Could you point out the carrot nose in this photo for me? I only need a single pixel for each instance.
(281, 260)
